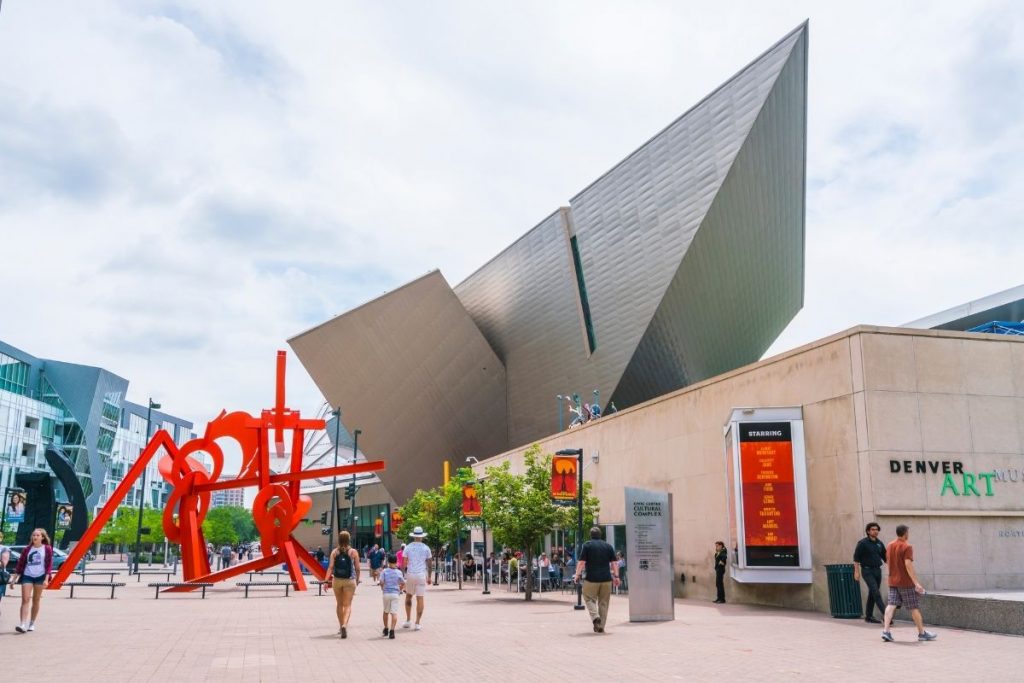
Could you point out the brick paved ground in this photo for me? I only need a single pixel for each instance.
(467, 637)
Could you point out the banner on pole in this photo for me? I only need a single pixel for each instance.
(470, 502)
(16, 506)
(64, 515)
(563, 478)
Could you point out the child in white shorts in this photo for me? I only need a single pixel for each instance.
(392, 583)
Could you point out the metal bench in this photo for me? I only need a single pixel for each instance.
(91, 572)
(174, 584)
(276, 574)
(153, 572)
(319, 586)
(112, 586)
(272, 584)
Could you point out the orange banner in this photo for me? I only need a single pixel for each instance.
(378, 527)
(563, 477)
(769, 496)
(396, 520)
(470, 502)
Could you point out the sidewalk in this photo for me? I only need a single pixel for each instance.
(466, 636)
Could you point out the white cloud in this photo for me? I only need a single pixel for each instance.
(184, 185)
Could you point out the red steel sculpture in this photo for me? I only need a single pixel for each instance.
(277, 510)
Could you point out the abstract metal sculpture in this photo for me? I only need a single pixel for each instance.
(277, 510)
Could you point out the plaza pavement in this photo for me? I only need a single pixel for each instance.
(466, 637)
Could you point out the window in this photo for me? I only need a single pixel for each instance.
(581, 284)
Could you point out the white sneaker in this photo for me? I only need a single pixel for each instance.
(31, 626)
(417, 627)
(20, 628)
(407, 624)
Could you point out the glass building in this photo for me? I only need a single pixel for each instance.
(82, 410)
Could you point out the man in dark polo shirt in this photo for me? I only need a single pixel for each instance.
(598, 559)
(868, 558)
(904, 586)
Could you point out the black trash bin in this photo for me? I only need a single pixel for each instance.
(843, 591)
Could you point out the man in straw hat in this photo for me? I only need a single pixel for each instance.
(416, 561)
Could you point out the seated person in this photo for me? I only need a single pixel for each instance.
(469, 566)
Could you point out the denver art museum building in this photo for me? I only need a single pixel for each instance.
(658, 288)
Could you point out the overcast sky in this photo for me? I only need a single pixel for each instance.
(185, 185)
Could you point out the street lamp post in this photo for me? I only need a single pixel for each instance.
(483, 521)
(335, 513)
(142, 497)
(578, 452)
(355, 456)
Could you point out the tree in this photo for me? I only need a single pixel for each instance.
(519, 508)
(438, 511)
(229, 525)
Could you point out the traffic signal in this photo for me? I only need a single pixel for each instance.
(350, 492)
(323, 517)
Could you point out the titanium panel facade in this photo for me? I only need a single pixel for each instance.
(412, 371)
(691, 252)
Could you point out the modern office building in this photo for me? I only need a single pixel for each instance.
(684, 261)
(228, 498)
(83, 411)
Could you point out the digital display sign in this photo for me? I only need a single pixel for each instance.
(768, 495)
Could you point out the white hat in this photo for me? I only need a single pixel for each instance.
(418, 532)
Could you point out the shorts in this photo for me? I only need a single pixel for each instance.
(36, 580)
(903, 597)
(416, 584)
(391, 601)
(343, 586)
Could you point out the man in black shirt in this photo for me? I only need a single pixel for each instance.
(602, 567)
(868, 558)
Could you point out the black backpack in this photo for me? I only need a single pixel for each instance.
(343, 565)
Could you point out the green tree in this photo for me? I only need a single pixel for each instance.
(438, 511)
(228, 525)
(519, 508)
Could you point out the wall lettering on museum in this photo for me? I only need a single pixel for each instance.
(968, 487)
(966, 484)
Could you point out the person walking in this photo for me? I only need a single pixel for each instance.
(33, 573)
(597, 559)
(376, 562)
(5, 557)
(868, 558)
(904, 587)
(343, 573)
(721, 560)
(392, 583)
(418, 561)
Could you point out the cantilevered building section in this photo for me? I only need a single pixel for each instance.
(684, 261)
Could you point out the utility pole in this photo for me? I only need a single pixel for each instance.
(335, 516)
(355, 456)
(142, 497)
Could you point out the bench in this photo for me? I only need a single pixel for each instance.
(91, 572)
(153, 572)
(112, 586)
(273, 584)
(319, 586)
(276, 574)
(174, 584)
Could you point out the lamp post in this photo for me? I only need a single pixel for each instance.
(578, 452)
(335, 513)
(142, 497)
(483, 521)
(355, 456)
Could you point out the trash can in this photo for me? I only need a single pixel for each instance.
(843, 591)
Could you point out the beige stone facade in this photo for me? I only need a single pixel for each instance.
(873, 400)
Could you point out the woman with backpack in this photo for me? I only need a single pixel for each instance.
(343, 573)
(33, 573)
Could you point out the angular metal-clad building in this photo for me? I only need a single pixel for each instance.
(684, 261)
